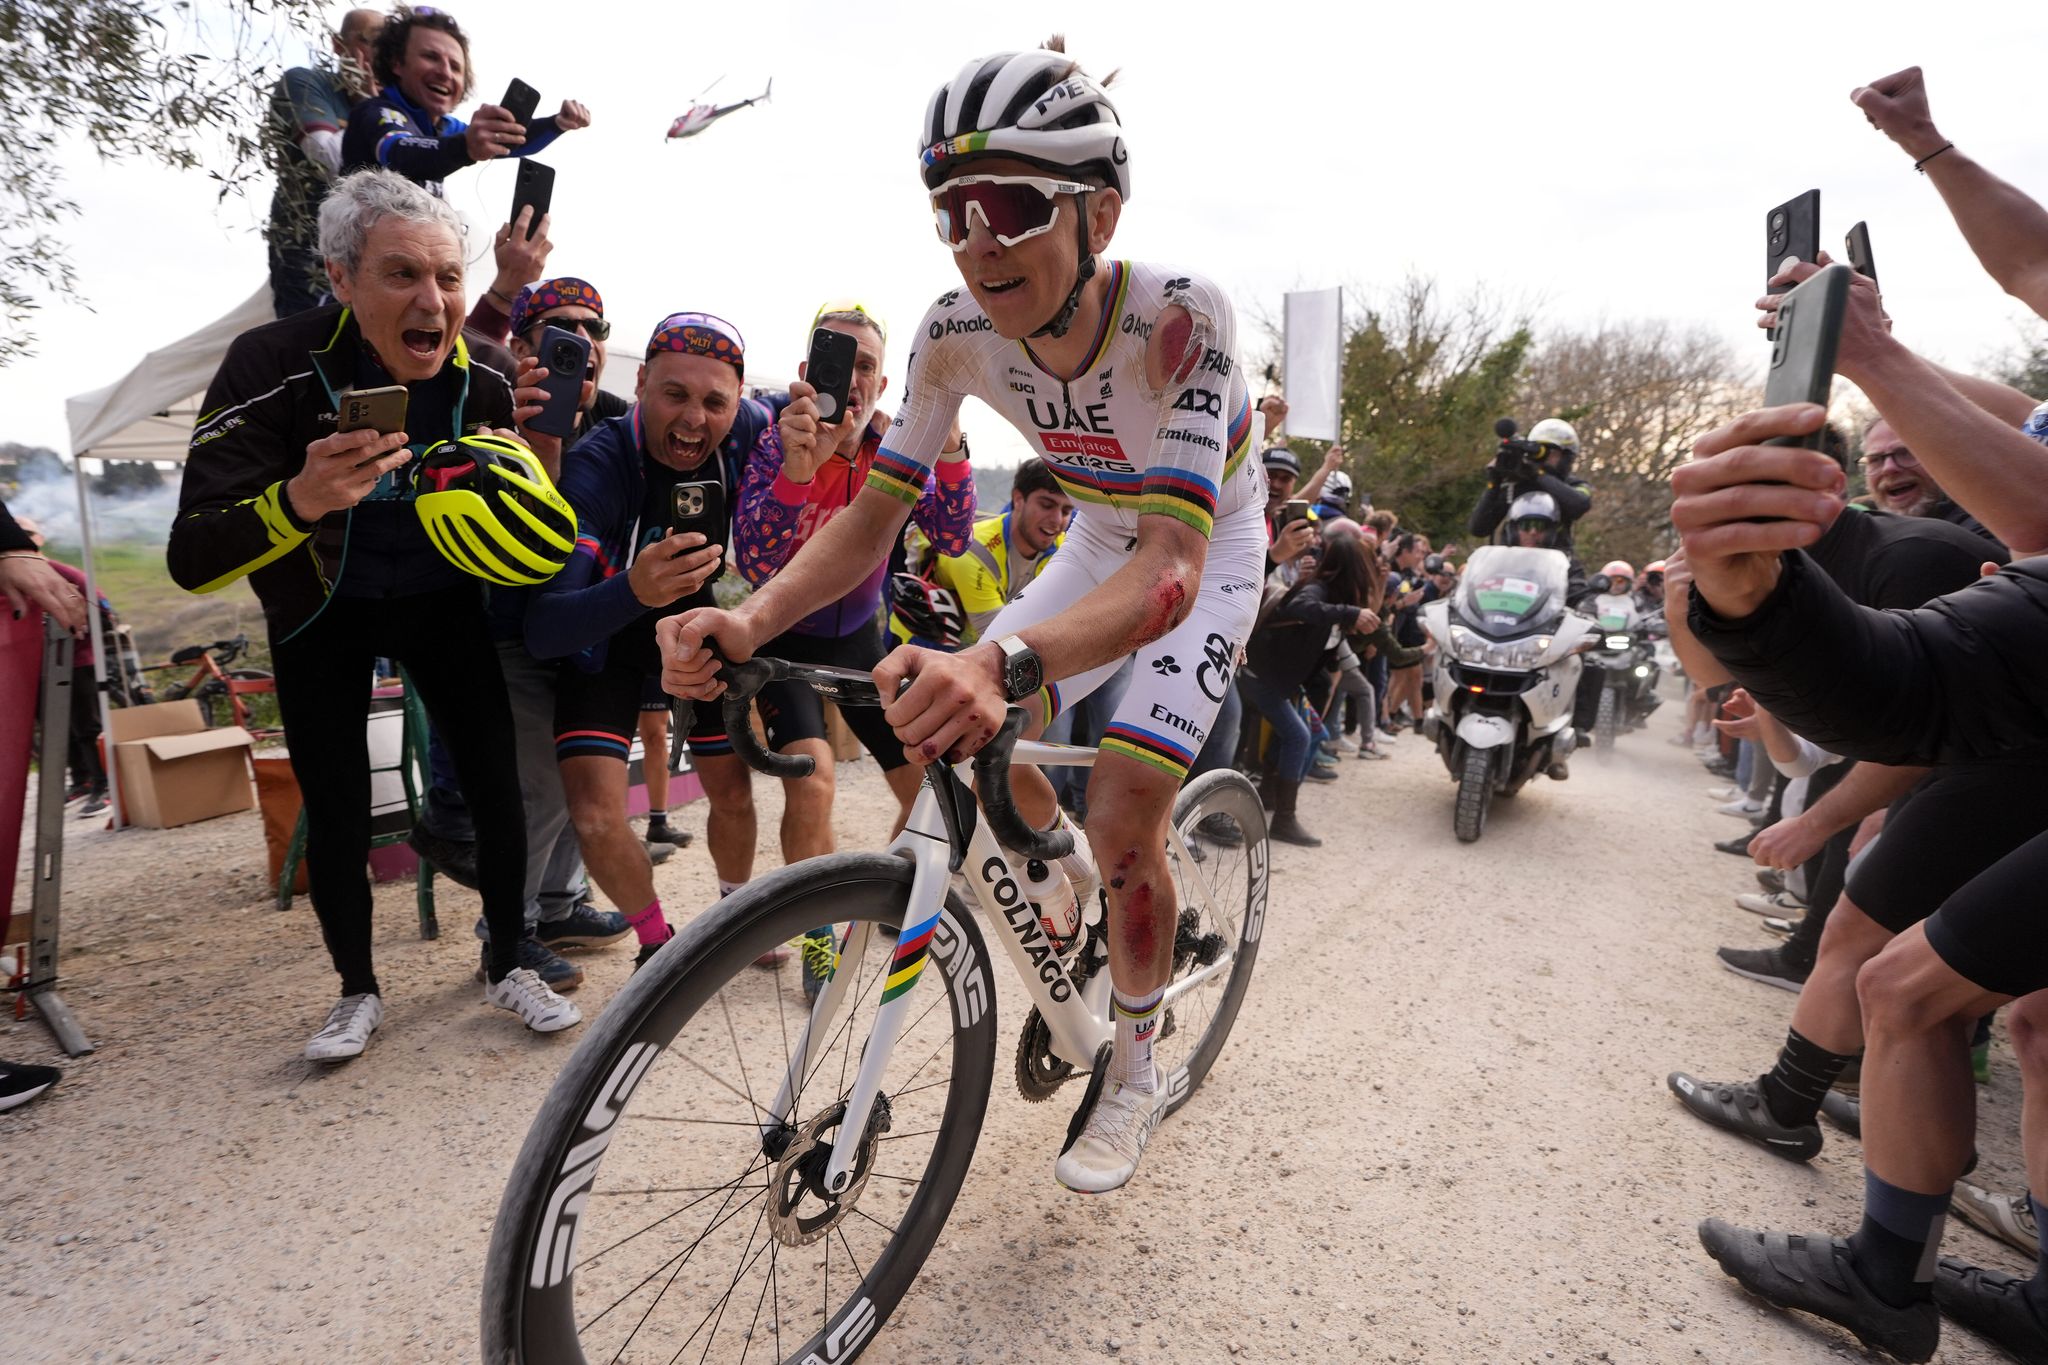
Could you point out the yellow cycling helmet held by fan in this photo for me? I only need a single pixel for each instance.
(491, 510)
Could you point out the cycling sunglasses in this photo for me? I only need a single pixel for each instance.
(1013, 208)
(1535, 524)
(597, 329)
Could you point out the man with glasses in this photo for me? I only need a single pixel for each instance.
(1902, 485)
(802, 473)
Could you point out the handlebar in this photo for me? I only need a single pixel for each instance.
(849, 687)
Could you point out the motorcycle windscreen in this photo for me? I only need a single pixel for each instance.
(1508, 589)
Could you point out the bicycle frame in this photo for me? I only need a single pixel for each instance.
(1078, 1018)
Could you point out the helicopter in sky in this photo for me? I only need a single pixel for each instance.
(702, 116)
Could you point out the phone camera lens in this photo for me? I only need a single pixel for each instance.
(564, 361)
(1778, 223)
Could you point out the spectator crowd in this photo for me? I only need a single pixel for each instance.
(1866, 676)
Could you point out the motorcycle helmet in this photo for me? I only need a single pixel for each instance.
(1034, 106)
(1653, 574)
(1532, 511)
(1557, 434)
(929, 612)
(490, 509)
(1337, 489)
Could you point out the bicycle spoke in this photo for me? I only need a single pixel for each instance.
(898, 1137)
(717, 1314)
(679, 1260)
(734, 1185)
(731, 1032)
(892, 1228)
(850, 1260)
(672, 1189)
(724, 1084)
(716, 1123)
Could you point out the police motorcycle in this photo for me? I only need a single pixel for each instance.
(1507, 672)
(1624, 654)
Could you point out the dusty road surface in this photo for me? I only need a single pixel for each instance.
(1439, 1132)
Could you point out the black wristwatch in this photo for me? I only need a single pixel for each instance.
(1023, 674)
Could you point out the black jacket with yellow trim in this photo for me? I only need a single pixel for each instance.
(275, 394)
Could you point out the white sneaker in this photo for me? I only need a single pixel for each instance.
(526, 995)
(2006, 1216)
(1780, 903)
(347, 1030)
(1724, 793)
(1742, 808)
(1104, 1156)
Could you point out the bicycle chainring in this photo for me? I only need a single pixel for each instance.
(1039, 1073)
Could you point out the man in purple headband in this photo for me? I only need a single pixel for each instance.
(692, 424)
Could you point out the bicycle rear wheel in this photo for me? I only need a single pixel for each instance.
(1221, 889)
(647, 1218)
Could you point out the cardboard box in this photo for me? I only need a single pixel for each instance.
(173, 770)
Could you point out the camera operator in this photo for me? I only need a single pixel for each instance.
(1540, 464)
(326, 527)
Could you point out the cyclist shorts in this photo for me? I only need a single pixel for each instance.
(597, 714)
(1958, 821)
(1182, 677)
(792, 711)
(1994, 932)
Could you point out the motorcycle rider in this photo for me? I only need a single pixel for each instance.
(1534, 524)
(1650, 592)
(1540, 464)
(1615, 605)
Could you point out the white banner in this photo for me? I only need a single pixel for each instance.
(1315, 363)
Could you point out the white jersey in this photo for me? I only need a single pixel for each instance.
(1121, 448)
(1616, 611)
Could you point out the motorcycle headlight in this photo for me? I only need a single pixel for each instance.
(1642, 670)
(1617, 642)
(1470, 647)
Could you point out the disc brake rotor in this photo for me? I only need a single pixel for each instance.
(799, 1210)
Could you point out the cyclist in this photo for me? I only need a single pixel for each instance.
(1003, 557)
(1124, 377)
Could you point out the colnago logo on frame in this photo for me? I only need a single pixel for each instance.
(562, 1220)
(1022, 920)
(855, 1327)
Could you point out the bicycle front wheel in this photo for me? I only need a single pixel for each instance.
(1221, 886)
(661, 1210)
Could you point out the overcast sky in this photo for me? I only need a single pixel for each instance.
(1598, 160)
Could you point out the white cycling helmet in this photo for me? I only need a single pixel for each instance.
(1035, 106)
(1555, 431)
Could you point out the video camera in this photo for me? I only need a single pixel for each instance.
(1517, 461)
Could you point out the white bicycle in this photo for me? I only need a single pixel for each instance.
(723, 1173)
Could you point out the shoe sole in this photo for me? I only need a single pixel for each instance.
(1782, 983)
(338, 1056)
(17, 1100)
(558, 987)
(585, 940)
(1771, 911)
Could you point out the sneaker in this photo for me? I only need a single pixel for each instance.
(659, 852)
(1319, 773)
(1739, 845)
(646, 953)
(585, 926)
(1744, 809)
(94, 804)
(2008, 1217)
(1844, 1111)
(20, 1083)
(662, 832)
(1815, 1275)
(347, 1030)
(1780, 903)
(1388, 733)
(1723, 793)
(775, 956)
(1739, 1107)
(1328, 749)
(821, 958)
(1220, 829)
(557, 973)
(1781, 927)
(1107, 1136)
(77, 791)
(455, 861)
(526, 995)
(1770, 879)
(1767, 965)
(1992, 1304)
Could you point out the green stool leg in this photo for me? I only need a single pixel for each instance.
(294, 854)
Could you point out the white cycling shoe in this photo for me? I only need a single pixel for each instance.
(526, 995)
(1107, 1138)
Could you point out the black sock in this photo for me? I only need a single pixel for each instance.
(1895, 1249)
(1793, 1088)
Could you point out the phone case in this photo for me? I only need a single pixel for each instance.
(564, 358)
(1803, 353)
(380, 410)
(1792, 229)
(1857, 243)
(534, 185)
(830, 370)
(520, 100)
(699, 507)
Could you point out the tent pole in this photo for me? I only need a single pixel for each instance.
(101, 643)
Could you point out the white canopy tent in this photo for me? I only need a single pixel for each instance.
(147, 414)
